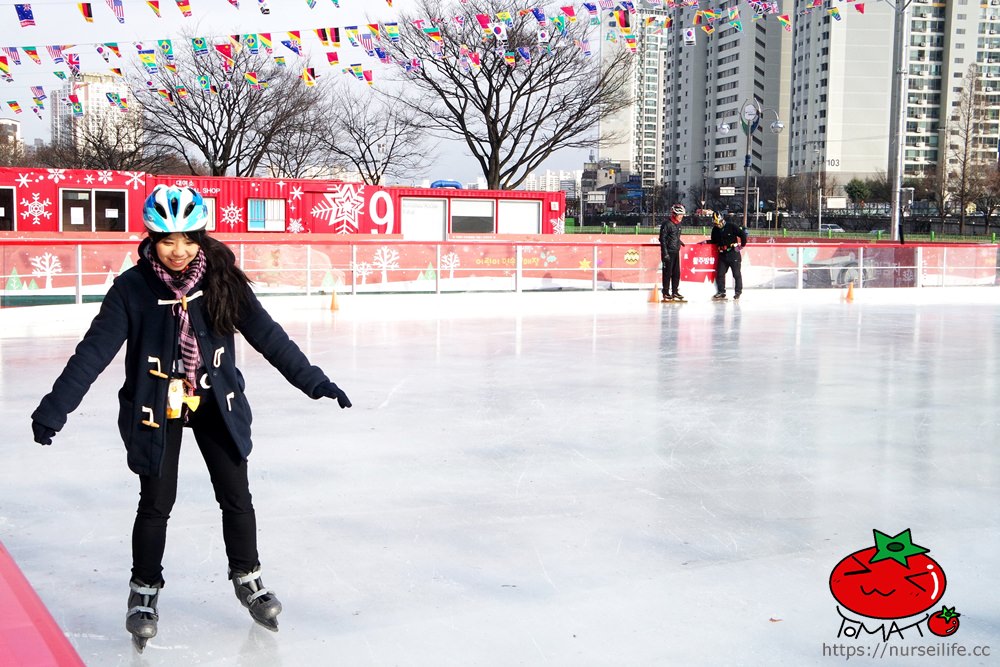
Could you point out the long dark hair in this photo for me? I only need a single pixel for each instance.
(227, 288)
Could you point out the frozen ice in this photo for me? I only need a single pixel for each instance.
(555, 478)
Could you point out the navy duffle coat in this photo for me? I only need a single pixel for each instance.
(138, 310)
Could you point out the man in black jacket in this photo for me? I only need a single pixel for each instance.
(670, 249)
(728, 238)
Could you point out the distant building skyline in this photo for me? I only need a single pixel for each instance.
(829, 82)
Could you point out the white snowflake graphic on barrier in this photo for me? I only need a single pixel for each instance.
(46, 265)
(385, 258)
(341, 208)
(558, 225)
(449, 263)
(134, 179)
(105, 176)
(295, 226)
(56, 175)
(232, 215)
(36, 209)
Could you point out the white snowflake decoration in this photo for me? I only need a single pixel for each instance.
(23, 179)
(56, 175)
(558, 225)
(135, 179)
(232, 215)
(295, 226)
(341, 208)
(36, 209)
(296, 192)
(88, 179)
(105, 176)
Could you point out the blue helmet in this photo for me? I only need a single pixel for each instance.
(170, 209)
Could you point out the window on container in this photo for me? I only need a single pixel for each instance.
(210, 212)
(7, 209)
(265, 215)
(109, 211)
(76, 213)
(472, 216)
(520, 217)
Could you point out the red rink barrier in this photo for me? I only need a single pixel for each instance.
(29, 636)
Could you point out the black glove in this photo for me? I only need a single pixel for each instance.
(43, 433)
(330, 390)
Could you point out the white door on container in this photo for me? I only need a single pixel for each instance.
(519, 217)
(423, 219)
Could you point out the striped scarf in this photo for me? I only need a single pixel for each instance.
(180, 286)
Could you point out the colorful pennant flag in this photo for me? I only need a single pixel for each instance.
(87, 11)
(332, 58)
(14, 106)
(25, 15)
(32, 52)
(12, 53)
(199, 45)
(155, 6)
(55, 52)
(185, 7)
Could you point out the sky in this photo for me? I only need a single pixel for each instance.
(60, 22)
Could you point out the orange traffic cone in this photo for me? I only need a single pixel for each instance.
(654, 295)
(333, 300)
(850, 292)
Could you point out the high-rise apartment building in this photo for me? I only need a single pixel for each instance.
(99, 114)
(829, 81)
(689, 87)
(10, 131)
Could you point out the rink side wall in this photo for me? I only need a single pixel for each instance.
(29, 636)
(73, 268)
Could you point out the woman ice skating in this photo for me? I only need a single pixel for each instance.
(177, 312)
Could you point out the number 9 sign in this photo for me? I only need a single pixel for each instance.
(381, 213)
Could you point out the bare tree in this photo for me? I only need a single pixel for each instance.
(375, 134)
(514, 99)
(114, 142)
(988, 192)
(232, 116)
(965, 133)
(12, 152)
(297, 150)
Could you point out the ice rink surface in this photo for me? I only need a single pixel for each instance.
(541, 479)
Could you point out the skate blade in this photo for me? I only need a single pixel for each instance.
(139, 643)
(271, 623)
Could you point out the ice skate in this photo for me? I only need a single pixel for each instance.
(141, 618)
(679, 297)
(721, 296)
(263, 604)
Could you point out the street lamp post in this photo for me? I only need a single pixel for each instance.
(819, 193)
(750, 116)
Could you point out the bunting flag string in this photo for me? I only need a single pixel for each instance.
(498, 32)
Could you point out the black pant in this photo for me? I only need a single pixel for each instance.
(228, 471)
(671, 271)
(730, 259)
